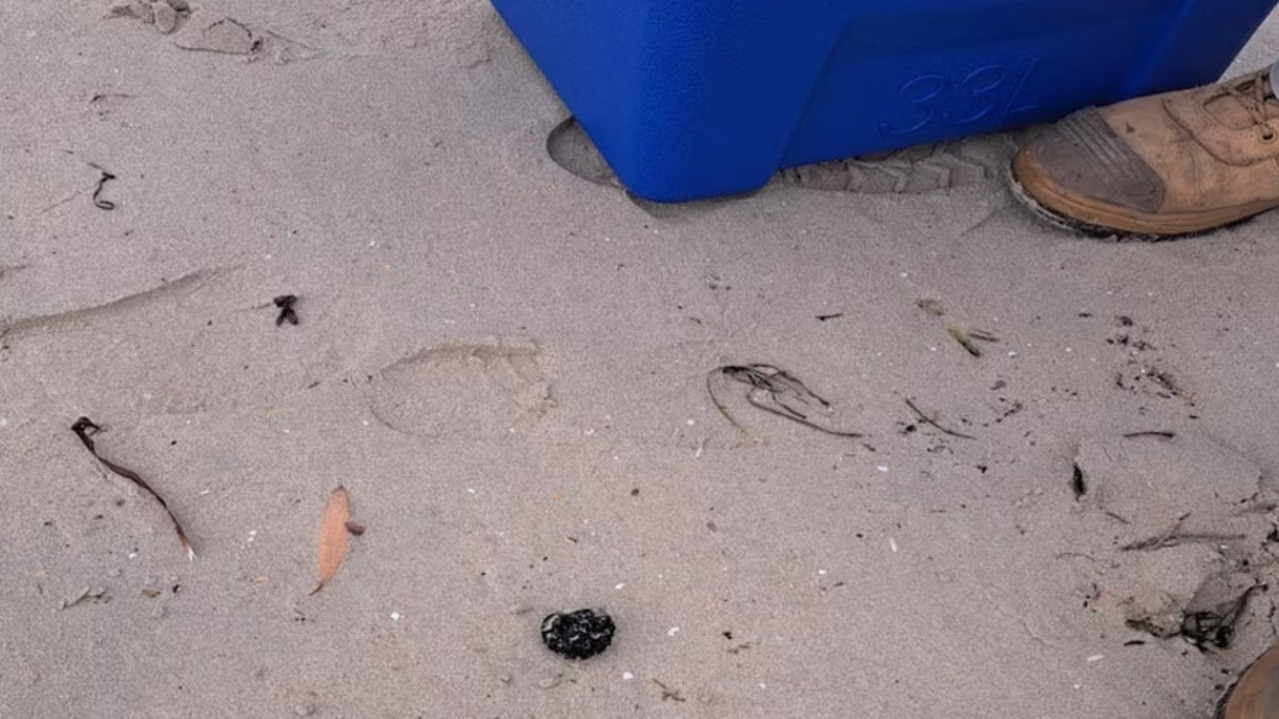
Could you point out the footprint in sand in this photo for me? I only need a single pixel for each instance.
(481, 390)
(228, 36)
(225, 35)
(1179, 530)
(165, 15)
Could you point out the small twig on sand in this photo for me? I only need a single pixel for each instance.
(933, 423)
(1175, 536)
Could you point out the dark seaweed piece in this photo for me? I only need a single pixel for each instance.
(98, 202)
(775, 391)
(287, 313)
(578, 635)
(1215, 625)
(1163, 435)
(933, 423)
(668, 693)
(1077, 483)
(84, 428)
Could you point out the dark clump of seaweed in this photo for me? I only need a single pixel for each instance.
(776, 391)
(287, 313)
(578, 635)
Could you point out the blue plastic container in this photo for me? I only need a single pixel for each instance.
(688, 99)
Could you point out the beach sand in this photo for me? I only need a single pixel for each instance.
(507, 367)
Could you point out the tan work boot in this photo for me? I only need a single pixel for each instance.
(1256, 694)
(1159, 166)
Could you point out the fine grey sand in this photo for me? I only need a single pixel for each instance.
(506, 366)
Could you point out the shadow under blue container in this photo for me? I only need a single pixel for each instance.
(689, 99)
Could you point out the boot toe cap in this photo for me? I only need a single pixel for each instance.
(1082, 159)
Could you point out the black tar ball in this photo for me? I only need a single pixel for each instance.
(578, 635)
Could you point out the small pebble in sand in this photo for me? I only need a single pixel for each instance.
(304, 710)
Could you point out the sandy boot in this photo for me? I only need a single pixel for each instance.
(1159, 166)
(1256, 694)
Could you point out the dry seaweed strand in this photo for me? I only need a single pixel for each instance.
(1151, 433)
(84, 428)
(335, 536)
(966, 337)
(933, 423)
(962, 338)
(86, 595)
(106, 177)
(931, 306)
(668, 693)
(776, 384)
(1176, 537)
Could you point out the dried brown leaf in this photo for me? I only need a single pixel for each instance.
(334, 538)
